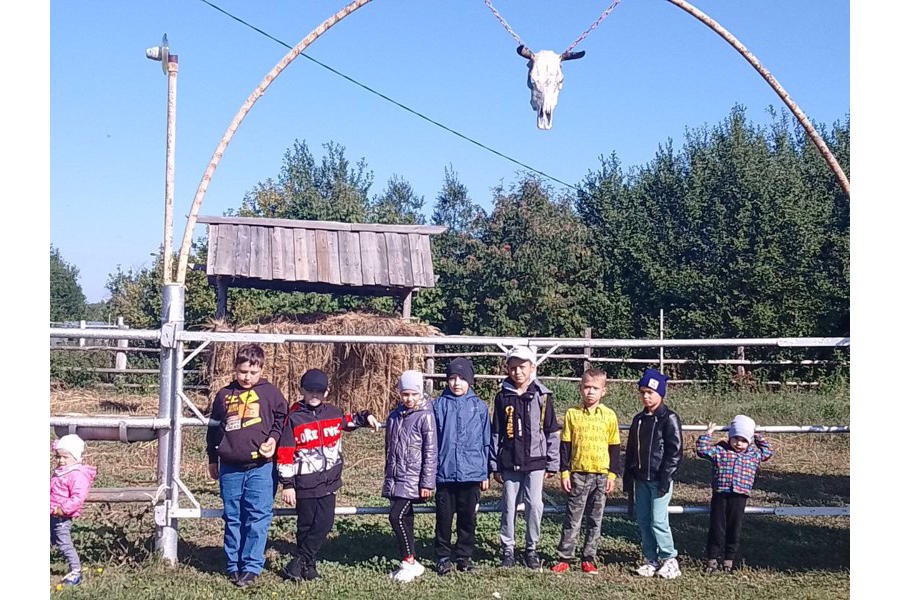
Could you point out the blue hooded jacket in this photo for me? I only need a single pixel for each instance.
(463, 437)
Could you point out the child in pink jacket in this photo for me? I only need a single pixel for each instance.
(69, 486)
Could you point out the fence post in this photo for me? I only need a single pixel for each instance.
(741, 372)
(82, 324)
(121, 357)
(661, 359)
(429, 369)
(587, 351)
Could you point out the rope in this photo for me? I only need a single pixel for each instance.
(573, 44)
(504, 23)
(593, 26)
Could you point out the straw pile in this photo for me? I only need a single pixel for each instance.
(361, 376)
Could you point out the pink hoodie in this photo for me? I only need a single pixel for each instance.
(69, 488)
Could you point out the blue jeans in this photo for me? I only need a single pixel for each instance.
(652, 514)
(247, 511)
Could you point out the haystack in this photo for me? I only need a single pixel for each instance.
(362, 376)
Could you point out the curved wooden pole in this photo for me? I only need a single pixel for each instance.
(770, 79)
(238, 118)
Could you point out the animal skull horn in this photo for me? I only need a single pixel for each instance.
(545, 80)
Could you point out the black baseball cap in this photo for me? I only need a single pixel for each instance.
(314, 380)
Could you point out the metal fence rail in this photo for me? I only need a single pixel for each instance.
(167, 426)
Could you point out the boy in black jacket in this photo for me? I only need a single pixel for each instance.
(310, 463)
(652, 458)
(245, 425)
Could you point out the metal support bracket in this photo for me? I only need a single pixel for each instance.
(196, 351)
(169, 333)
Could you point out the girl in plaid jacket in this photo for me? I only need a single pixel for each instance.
(735, 463)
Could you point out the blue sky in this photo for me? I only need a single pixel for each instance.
(650, 72)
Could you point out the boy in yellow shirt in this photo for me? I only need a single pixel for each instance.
(589, 465)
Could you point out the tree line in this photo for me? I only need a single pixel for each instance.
(743, 231)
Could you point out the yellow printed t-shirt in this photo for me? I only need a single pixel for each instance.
(591, 431)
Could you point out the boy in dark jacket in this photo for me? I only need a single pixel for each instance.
(464, 441)
(310, 463)
(652, 458)
(245, 424)
(524, 451)
(410, 464)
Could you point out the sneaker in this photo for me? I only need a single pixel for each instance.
(728, 567)
(588, 566)
(443, 567)
(72, 578)
(509, 559)
(295, 570)
(649, 569)
(465, 565)
(669, 569)
(246, 579)
(560, 567)
(531, 560)
(408, 571)
(233, 577)
(712, 565)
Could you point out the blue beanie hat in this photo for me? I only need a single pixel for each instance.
(654, 380)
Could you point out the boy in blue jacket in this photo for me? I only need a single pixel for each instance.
(464, 439)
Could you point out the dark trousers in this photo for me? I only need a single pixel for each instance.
(726, 516)
(315, 518)
(460, 499)
(401, 519)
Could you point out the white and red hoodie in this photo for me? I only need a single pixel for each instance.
(309, 451)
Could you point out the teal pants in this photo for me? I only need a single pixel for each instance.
(652, 512)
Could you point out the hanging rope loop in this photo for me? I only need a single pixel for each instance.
(573, 44)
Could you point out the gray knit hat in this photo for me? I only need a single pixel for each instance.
(411, 380)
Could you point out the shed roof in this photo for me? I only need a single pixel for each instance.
(319, 255)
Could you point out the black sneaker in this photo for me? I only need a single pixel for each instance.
(295, 570)
(246, 579)
(508, 560)
(234, 576)
(310, 572)
(465, 565)
(443, 567)
(531, 560)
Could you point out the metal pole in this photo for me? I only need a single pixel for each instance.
(170, 169)
(172, 322)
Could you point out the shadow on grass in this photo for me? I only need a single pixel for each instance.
(779, 486)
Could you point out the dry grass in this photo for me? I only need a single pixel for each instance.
(362, 375)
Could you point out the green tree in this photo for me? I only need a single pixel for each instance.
(67, 301)
(398, 204)
(332, 190)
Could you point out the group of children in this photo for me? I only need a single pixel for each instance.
(448, 449)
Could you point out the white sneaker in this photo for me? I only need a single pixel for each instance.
(408, 571)
(669, 569)
(648, 569)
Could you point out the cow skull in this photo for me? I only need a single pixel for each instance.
(545, 80)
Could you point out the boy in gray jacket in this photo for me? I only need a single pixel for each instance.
(410, 466)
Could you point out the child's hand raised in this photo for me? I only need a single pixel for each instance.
(710, 427)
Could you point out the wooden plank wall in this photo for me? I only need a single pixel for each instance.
(349, 258)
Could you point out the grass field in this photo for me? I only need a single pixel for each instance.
(782, 557)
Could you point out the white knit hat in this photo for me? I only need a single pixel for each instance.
(742, 426)
(72, 444)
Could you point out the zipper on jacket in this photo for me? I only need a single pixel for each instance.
(652, 431)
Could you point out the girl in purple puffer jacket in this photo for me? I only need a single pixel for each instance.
(410, 466)
(69, 486)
